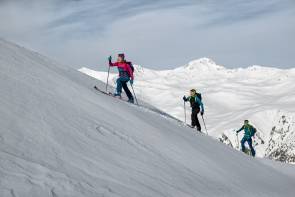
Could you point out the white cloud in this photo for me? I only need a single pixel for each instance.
(155, 33)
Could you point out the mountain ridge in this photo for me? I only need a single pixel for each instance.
(210, 63)
(230, 95)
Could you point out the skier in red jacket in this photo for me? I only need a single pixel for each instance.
(125, 75)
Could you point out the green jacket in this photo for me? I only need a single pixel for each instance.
(195, 102)
(248, 129)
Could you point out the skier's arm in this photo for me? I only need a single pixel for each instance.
(186, 98)
(240, 129)
(110, 61)
(200, 103)
(113, 64)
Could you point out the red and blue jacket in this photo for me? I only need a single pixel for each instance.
(124, 69)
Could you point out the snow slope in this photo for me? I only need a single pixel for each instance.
(263, 95)
(60, 138)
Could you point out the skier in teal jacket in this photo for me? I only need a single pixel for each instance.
(249, 132)
(197, 106)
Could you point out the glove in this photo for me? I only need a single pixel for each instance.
(184, 98)
(202, 113)
(110, 58)
(131, 81)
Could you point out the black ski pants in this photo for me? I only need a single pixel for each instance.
(127, 91)
(195, 120)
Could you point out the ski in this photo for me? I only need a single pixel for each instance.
(104, 92)
(109, 94)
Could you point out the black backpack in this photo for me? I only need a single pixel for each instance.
(199, 95)
(254, 130)
(131, 66)
(193, 103)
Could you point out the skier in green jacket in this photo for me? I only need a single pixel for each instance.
(249, 133)
(197, 106)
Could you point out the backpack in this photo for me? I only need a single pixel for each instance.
(193, 103)
(199, 95)
(253, 131)
(131, 66)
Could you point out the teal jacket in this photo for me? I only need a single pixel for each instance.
(249, 131)
(197, 101)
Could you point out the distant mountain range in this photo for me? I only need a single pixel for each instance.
(264, 95)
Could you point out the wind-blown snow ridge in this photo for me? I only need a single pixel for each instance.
(262, 94)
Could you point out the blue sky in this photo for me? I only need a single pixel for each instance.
(154, 33)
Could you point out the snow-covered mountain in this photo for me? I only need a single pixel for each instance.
(264, 95)
(61, 138)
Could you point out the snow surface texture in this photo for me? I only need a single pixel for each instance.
(265, 96)
(61, 138)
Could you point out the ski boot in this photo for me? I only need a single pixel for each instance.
(117, 95)
(131, 100)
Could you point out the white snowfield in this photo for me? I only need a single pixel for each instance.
(265, 96)
(61, 138)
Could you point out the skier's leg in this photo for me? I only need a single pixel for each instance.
(193, 118)
(119, 87)
(197, 122)
(251, 147)
(127, 91)
(243, 144)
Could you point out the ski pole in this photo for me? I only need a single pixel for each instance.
(184, 108)
(108, 79)
(204, 124)
(134, 94)
(238, 143)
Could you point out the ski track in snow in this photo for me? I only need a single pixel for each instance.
(61, 138)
